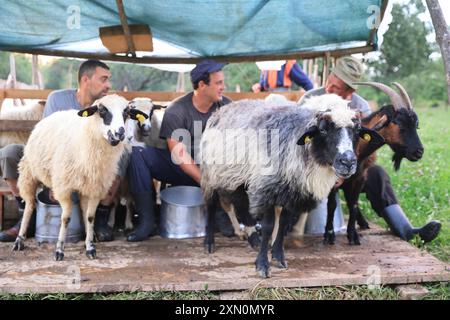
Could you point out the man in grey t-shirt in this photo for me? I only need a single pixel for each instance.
(182, 127)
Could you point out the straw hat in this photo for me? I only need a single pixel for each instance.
(349, 70)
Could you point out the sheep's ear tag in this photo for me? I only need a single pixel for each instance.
(308, 136)
(137, 115)
(84, 114)
(140, 118)
(367, 137)
(305, 139)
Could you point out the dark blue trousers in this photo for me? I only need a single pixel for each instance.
(152, 163)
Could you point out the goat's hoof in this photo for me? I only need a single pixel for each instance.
(254, 241)
(91, 254)
(363, 225)
(18, 244)
(59, 255)
(329, 237)
(353, 238)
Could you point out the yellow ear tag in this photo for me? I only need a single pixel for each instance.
(367, 137)
(140, 118)
(307, 139)
(85, 114)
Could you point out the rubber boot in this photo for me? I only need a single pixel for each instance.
(103, 232)
(146, 226)
(400, 225)
(10, 235)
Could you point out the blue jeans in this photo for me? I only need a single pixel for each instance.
(152, 163)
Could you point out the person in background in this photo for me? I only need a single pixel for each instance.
(378, 188)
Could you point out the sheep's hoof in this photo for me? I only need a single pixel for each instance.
(263, 266)
(353, 238)
(254, 240)
(18, 244)
(329, 237)
(264, 273)
(91, 254)
(280, 263)
(59, 255)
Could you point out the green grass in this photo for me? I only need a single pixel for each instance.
(154, 295)
(423, 191)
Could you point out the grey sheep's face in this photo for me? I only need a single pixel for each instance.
(335, 146)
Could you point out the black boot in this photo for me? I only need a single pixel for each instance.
(103, 232)
(146, 226)
(400, 225)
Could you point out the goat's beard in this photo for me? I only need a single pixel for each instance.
(397, 159)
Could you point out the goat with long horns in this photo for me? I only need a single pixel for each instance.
(397, 124)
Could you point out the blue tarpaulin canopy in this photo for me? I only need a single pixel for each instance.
(184, 31)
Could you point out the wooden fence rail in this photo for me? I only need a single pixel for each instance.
(27, 125)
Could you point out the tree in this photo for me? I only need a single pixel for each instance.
(405, 49)
(442, 37)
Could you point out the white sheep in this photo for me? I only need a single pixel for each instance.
(29, 111)
(74, 151)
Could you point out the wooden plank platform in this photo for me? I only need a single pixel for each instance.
(168, 264)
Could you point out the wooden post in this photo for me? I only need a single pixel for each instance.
(316, 74)
(310, 69)
(11, 82)
(36, 77)
(70, 76)
(442, 38)
(180, 82)
(326, 62)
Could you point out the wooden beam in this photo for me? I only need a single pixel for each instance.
(17, 125)
(126, 28)
(193, 60)
(155, 96)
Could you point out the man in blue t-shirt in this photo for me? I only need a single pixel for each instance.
(93, 83)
